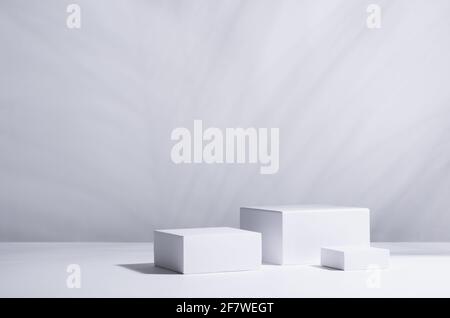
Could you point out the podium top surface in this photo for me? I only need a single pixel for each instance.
(304, 208)
(205, 231)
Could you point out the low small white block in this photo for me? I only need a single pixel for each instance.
(352, 258)
(207, 250)
(295, 234)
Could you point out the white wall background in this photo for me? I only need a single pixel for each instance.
(86, 115)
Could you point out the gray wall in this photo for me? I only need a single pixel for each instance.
(86, 115)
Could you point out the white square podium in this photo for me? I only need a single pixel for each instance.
(352, 258)
(207, 250)
(295, 234)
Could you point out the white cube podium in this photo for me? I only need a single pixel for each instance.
(207, 250)
(295, 234)
(351, 258)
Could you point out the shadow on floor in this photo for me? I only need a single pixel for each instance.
(147, 268)
(325, 268)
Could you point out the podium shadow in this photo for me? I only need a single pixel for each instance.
(148, 269)
(326, 268)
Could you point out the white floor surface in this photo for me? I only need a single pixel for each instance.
(127, 270)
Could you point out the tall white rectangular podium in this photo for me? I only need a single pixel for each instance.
(295, 234)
